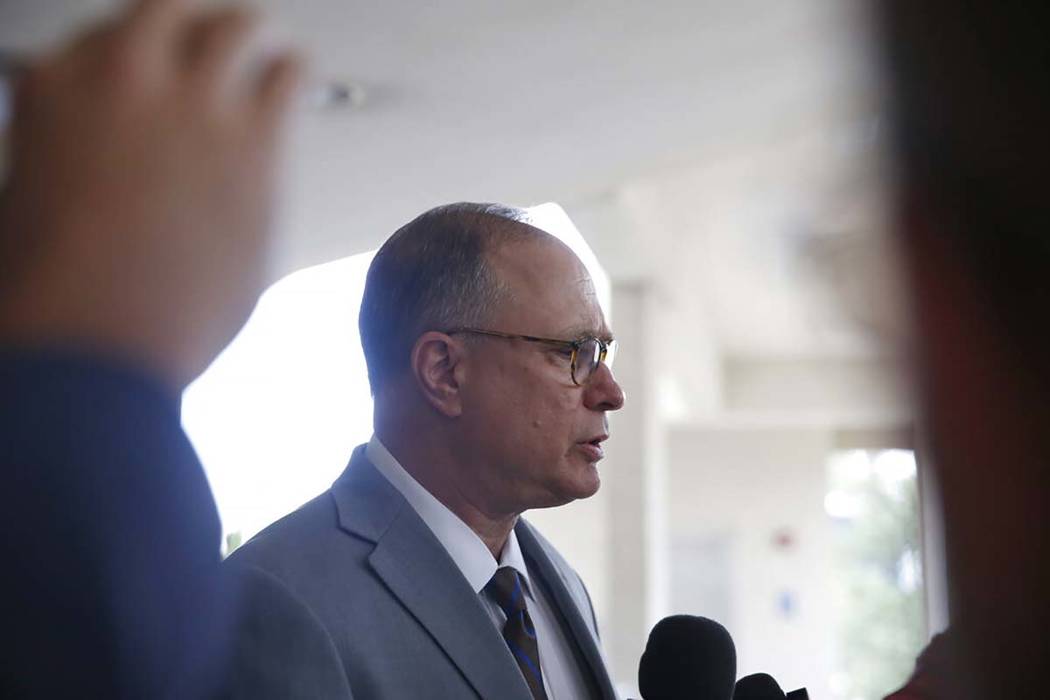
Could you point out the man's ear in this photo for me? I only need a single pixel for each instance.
(435, 363)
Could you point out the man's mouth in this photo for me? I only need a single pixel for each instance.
(592, 448)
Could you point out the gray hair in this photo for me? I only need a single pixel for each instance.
(433, 274)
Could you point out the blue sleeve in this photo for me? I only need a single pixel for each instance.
(109, 537)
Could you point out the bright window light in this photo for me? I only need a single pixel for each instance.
(275, 417)
(873, 501)
(550, 217)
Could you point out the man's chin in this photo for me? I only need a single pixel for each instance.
(564, 494)
(585, 485)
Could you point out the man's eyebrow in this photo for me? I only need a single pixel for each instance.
(581, 332)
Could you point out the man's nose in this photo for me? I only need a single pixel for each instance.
(603, 392)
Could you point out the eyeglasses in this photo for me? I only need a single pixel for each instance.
(584, 355)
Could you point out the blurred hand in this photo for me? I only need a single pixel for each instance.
(136, 217)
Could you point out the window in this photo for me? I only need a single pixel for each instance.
(873, 503)
(275, 417)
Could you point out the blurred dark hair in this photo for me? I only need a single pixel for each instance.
(970, 89)
(432, 274)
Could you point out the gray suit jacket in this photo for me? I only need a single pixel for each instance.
(402, 619)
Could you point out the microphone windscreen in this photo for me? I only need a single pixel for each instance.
(688, 658)
(758, 686)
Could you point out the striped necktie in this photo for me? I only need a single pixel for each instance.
(505, 588)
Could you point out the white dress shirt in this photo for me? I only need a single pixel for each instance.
(562, 678)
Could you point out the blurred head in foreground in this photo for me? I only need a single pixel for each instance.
(971, 102)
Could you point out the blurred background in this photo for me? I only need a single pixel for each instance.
(721, 166)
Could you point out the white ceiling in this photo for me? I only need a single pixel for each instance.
(734, 131)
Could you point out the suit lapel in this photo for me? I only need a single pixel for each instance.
(567, 605)
(420, 573)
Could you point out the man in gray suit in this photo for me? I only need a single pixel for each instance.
(488, 356)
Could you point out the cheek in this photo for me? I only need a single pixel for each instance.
(552, 413)
(529, 405)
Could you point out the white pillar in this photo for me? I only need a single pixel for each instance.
(634, 476)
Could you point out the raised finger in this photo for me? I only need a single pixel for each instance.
(278, 83)
(156, 17)
(154, 27)
(215, 41)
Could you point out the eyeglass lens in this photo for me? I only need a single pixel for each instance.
(588, 356)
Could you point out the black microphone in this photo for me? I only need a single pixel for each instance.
(761, 686)
(688, 658)
(758, 686)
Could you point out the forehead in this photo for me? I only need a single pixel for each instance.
(549, 290)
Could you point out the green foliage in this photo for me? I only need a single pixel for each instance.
(880, 593)
(233, 541)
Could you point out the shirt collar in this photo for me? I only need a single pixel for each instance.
(469, 553)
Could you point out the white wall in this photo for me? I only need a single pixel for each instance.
(846, 389)
(742, 489)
